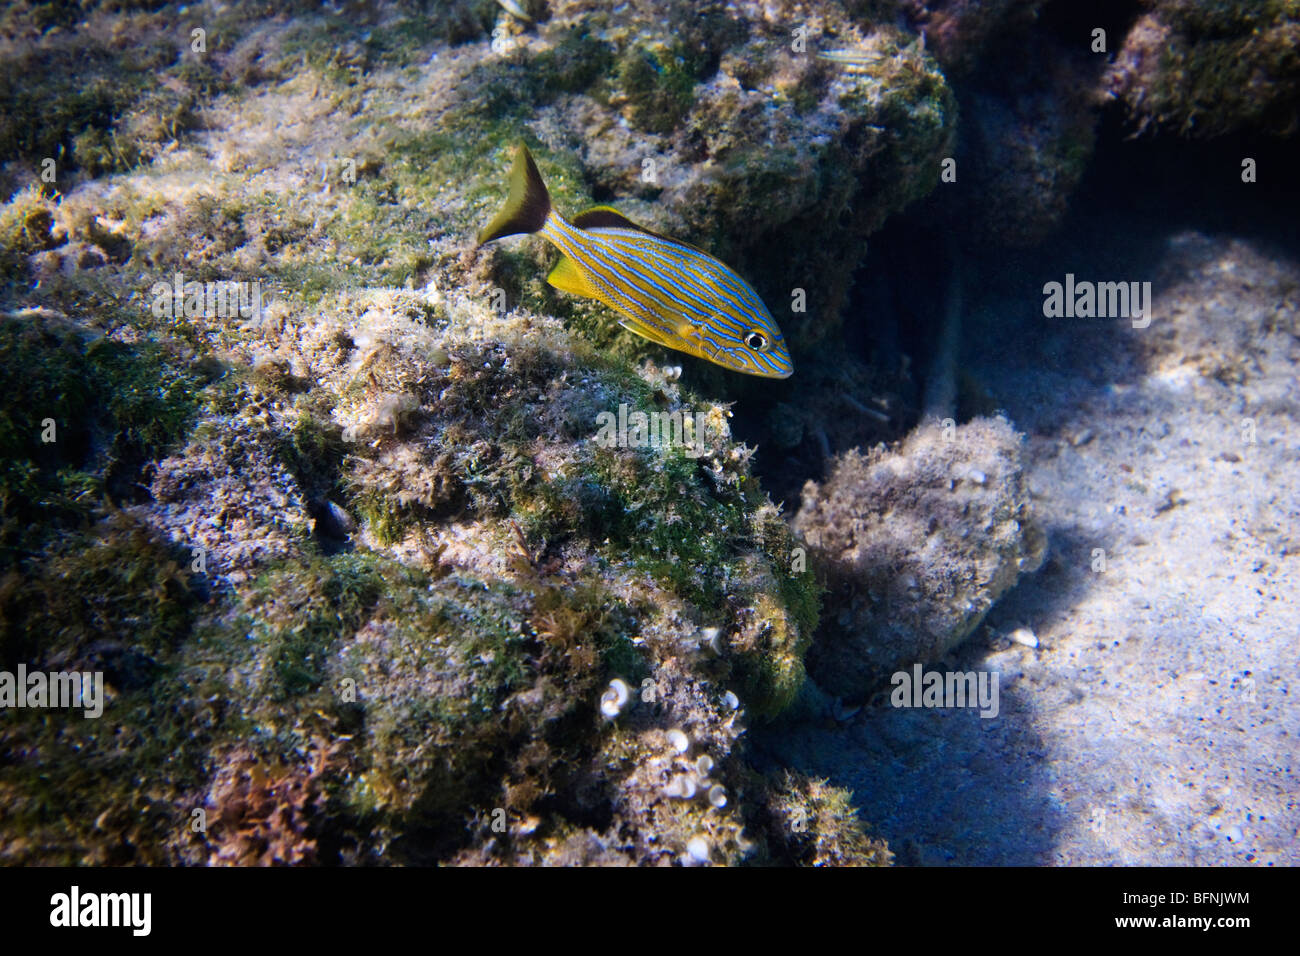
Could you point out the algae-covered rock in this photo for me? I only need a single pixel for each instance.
(917, 544)
(1025, 78)
(1023, 154)
(454, 658)
(397, 555)
(500, 566)
(1206, 69)
(811, 823)
(960, 32)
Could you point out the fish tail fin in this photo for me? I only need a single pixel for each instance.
(528, 204)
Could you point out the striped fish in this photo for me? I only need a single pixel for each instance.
(856, 60)
(664, 290)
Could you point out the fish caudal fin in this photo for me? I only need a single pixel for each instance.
(527, 206)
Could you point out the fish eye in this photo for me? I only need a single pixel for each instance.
(756, 340)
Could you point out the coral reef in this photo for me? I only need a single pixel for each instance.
(916, 543)
(363, 582)
(319, 485)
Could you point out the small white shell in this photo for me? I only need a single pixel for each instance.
(704, 765)
(718, 796)
(711, 637)
(686, 786)
(679, 741)
(731, 700)
(1023, 635)
(697, 848)
(614, 699)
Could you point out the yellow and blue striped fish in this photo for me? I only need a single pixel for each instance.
(664, 290)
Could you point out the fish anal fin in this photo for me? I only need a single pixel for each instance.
(567, 277)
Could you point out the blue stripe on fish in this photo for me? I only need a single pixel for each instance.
(665, 290)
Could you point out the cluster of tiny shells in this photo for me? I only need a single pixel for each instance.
(693, 783)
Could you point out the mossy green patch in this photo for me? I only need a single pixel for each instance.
(91, 414)
(659, 84)
(119, 583)
(809, 822)
(298, 612)
(95, 104)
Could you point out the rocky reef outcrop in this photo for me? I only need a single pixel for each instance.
(917, 544)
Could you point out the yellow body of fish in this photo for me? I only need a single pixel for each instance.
(665, 290)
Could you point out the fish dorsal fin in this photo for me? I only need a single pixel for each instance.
(568, 278)
(607, 217)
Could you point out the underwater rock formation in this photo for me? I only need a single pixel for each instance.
(1022, 155)
(1205, 69)
(917, 543)
(1026, 134)
(355, 565)
(489, 567)
(959, 32)
(363, 581)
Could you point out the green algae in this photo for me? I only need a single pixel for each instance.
(97, 105)
(117, 579)
(109, 408)
(809, 822)
(659, 84)
(116, 599)
(1227, 65)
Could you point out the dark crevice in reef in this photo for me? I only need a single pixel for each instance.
(1073, 22)
(1167, 183)
(1134, 194)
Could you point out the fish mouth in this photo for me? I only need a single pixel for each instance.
(759, 372)
(730, 361)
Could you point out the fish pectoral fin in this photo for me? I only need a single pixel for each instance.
(567, 277)
(646, 331)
